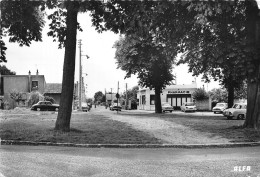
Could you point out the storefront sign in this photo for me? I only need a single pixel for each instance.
(178, 92)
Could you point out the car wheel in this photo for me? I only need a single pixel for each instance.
(170, 111)
(215, 112)
(38, 109)
(240, 117)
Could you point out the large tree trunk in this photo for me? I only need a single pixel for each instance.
(253, 104)
(231, 90)
(158, 104)
(253, 89)
(64, 115)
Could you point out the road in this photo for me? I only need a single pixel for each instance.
(48, 161)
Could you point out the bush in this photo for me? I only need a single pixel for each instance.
(34, 98)
(200, 94)
(48, 98)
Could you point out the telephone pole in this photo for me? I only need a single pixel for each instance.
(126, 104)
(80, 75)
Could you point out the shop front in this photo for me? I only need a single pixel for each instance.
(175, 95)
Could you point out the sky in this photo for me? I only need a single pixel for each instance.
(99, 71)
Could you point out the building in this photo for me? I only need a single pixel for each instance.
(23, 84)
(53, 90)
(173, 94)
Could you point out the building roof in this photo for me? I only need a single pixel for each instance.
(186, 86)
(53, 88)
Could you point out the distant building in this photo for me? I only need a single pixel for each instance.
(53, 90)
(175, 95)
(21, 83)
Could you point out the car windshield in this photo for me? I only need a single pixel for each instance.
(220, 105)
(84, 104)
(189, 104)
(115, 104)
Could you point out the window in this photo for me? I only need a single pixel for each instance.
(152, 99)
(34, 84)
(143, 99)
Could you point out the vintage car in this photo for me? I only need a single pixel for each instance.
(167, 107)
(220, 107)
(237, 111)
(85, 107)
(188, 106)
(115, 106)
(45, 106)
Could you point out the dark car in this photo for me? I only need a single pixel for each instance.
(45, 106)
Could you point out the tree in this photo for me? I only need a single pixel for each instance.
(153, 68)
(99, 97)
(5, 71)
(48, 98)
(244, 50)
(213, 45)
(131, 95)
(219, 95)
(22, 21)
(35, 97)
(200, 94)
(16, 96)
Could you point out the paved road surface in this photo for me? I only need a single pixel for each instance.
(44, 161)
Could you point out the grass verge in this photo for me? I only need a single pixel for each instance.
(86, 128)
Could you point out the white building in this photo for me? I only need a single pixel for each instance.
(173, 94)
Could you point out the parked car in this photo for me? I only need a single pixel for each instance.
(188, 106)
(167, 107)
(237, 111)
(115, 106)
(45, 106)
(85, 107)
(220, 107)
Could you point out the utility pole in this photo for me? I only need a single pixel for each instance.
(126, 105)
(111, 96)
(80, 75)
(117, 95)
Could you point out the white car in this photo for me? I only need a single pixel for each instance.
(167, 107)
(220, 107)
(238, 111)
(115, 106)
(188, 106)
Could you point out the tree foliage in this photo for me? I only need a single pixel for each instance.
(49, 98)
(22, 21)
(219, 95)
(99, 97)
(5, 71)
(35, 97)
(16, 96)
(148, 61)
(200, 94)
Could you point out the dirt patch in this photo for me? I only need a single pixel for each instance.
(169, 132)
